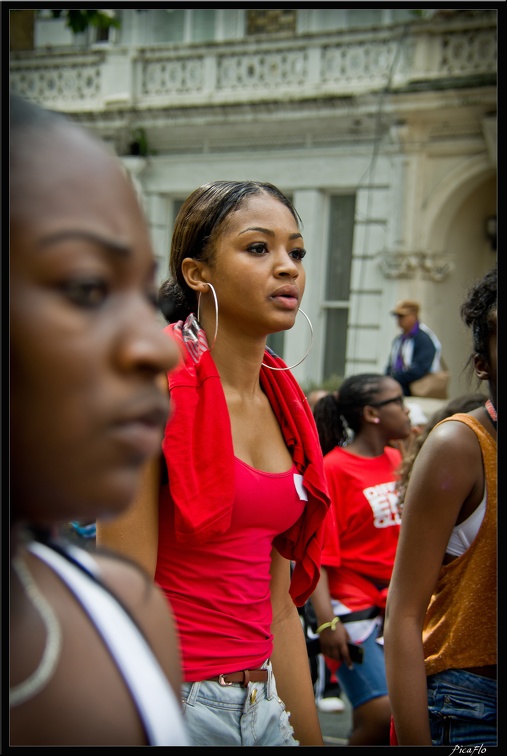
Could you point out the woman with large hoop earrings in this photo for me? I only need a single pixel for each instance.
(232, 530)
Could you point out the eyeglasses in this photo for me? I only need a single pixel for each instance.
(398, 399)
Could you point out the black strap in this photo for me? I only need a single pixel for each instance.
(361, 614)
(310, 620)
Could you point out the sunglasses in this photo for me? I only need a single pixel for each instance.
(398, 399)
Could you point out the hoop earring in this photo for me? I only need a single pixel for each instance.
(269, 367)
(216, 311)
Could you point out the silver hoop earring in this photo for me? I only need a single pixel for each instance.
(216, 311)
(307, 351)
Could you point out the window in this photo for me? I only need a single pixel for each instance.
(203, 25)
(53, 31)
(103, 34)
(331, 19)
(182, 25)
(337, 292)
(168, 25)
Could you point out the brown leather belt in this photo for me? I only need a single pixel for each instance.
(244, 677)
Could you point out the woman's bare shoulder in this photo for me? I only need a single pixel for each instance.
(451, 436)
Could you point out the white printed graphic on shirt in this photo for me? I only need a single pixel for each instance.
(384, 503)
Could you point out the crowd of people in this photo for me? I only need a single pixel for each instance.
(177, 502)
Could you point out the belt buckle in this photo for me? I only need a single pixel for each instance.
(223, 682)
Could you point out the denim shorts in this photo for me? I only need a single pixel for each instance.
(367, 680)
(236, 716)
(462, 708)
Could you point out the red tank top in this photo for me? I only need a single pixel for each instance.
(220, 591)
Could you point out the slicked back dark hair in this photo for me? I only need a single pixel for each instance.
(201, 218)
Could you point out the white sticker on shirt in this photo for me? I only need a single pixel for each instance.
(298, 482)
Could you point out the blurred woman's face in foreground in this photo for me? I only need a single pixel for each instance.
(86, 346)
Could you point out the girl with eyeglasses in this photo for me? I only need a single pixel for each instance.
(356, 426)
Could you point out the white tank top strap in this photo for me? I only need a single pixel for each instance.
(155, 700)
(463, 534)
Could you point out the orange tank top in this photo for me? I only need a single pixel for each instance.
(460, 628)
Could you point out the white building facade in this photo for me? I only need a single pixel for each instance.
(379, 124)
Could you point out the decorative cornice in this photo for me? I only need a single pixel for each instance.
(435, 266)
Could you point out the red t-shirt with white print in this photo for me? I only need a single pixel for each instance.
(362, 524)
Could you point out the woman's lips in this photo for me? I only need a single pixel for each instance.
(142, 432)
(143, 439)
(286, 297)
(288, 303)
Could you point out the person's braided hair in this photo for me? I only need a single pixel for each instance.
(342, 410)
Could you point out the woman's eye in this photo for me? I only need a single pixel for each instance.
(86, 293)
(298, 253)
(258, 248)
(262, 247)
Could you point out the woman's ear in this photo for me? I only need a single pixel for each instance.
(193, 272)
(370, 414)
(481, 368)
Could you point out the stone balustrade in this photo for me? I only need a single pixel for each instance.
(316, 66)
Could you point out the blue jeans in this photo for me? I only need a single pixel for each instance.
(235, 716)
(462, 708)
(367, 680)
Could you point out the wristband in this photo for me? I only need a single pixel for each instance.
(331, 624)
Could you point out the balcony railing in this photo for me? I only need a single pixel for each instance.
(301, 68)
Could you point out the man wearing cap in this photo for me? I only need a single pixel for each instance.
(416, 351)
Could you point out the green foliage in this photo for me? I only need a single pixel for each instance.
(421, 12)
(79, 20)
(139, 144)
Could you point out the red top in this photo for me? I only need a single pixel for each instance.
(219, 590)
(362, 526)
(198, 509)
(199, 455)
